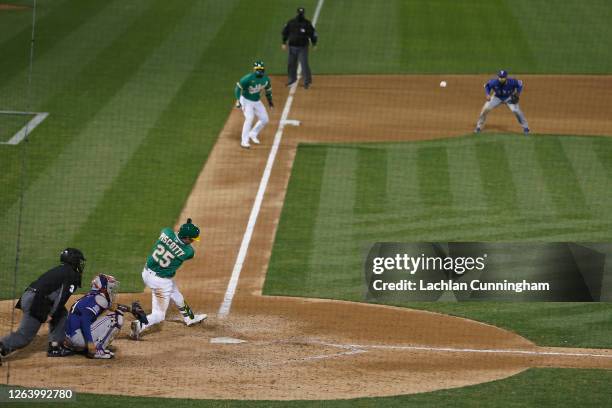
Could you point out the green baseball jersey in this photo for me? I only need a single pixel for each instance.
(250, 86)
(168, 254)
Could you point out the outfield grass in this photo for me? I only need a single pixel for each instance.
(542, 387)
(343, 198)
(470, 36)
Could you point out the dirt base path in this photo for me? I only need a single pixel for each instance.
(321, 349)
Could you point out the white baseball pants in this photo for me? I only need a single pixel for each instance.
(251, 109)
(494, 103)
(163, 290)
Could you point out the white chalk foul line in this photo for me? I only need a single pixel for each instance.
(27, 128)
(365, 347)
(225, 307)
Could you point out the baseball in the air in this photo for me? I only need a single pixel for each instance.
(443, 84)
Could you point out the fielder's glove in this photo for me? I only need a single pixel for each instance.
(514, 99)
(139, 313)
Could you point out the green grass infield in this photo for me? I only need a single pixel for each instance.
(343, 198)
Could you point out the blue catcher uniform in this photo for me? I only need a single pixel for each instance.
(503, 89)
(89, 324)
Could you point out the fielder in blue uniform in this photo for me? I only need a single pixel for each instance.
(94, 320)
(503, 90)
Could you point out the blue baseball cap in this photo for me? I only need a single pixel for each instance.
(502, 74)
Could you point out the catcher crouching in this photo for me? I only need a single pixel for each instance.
(94, 320)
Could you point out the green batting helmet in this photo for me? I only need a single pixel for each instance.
(189, 230)
(259, 66)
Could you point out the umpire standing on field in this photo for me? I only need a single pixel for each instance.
(47, 296)
(299, 34)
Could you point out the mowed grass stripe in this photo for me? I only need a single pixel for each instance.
(531, 193)
(124, 122)
(52, 27)
(590, 173)
(603, 150)
(434, 181)
(495, 176)
(467, 190)
(371, 194)
(402, 180)
(298, 237)
(561, 181)
(336, 206)
(67, 57)
(479, 227)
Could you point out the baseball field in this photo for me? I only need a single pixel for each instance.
(136, 132)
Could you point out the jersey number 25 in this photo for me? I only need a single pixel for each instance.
(162, 256)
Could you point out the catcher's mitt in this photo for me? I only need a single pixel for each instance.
(514, 99)
(139, 313)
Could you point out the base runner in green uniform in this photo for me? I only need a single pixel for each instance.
(168, 254)
(248, 95)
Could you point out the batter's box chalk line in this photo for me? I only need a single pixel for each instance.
(292, 122)
(226, 340)
(27, 128)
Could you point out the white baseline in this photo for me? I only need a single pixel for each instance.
(225, 307)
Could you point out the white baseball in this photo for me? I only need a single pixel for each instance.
(443, 84)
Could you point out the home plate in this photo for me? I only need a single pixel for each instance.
(226, 340)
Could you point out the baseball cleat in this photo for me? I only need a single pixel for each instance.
(526, 131)
(245, 145)
(477, 130)
(135, 330)
(196, 319)
(306, 86)
(102, 354)
(254, 139)
(59, 351)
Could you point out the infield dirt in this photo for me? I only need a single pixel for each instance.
(323, 349)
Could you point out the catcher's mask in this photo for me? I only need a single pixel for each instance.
(189, 230)
(107, 285)
(259, 68)
(502, 76)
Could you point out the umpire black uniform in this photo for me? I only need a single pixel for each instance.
(299, 33)
(47, 296)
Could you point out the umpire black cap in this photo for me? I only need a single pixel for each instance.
(300, 10)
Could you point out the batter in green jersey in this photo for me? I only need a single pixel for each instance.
(248, 98)
(168, 254)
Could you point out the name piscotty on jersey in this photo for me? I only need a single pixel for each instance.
(174, 247)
